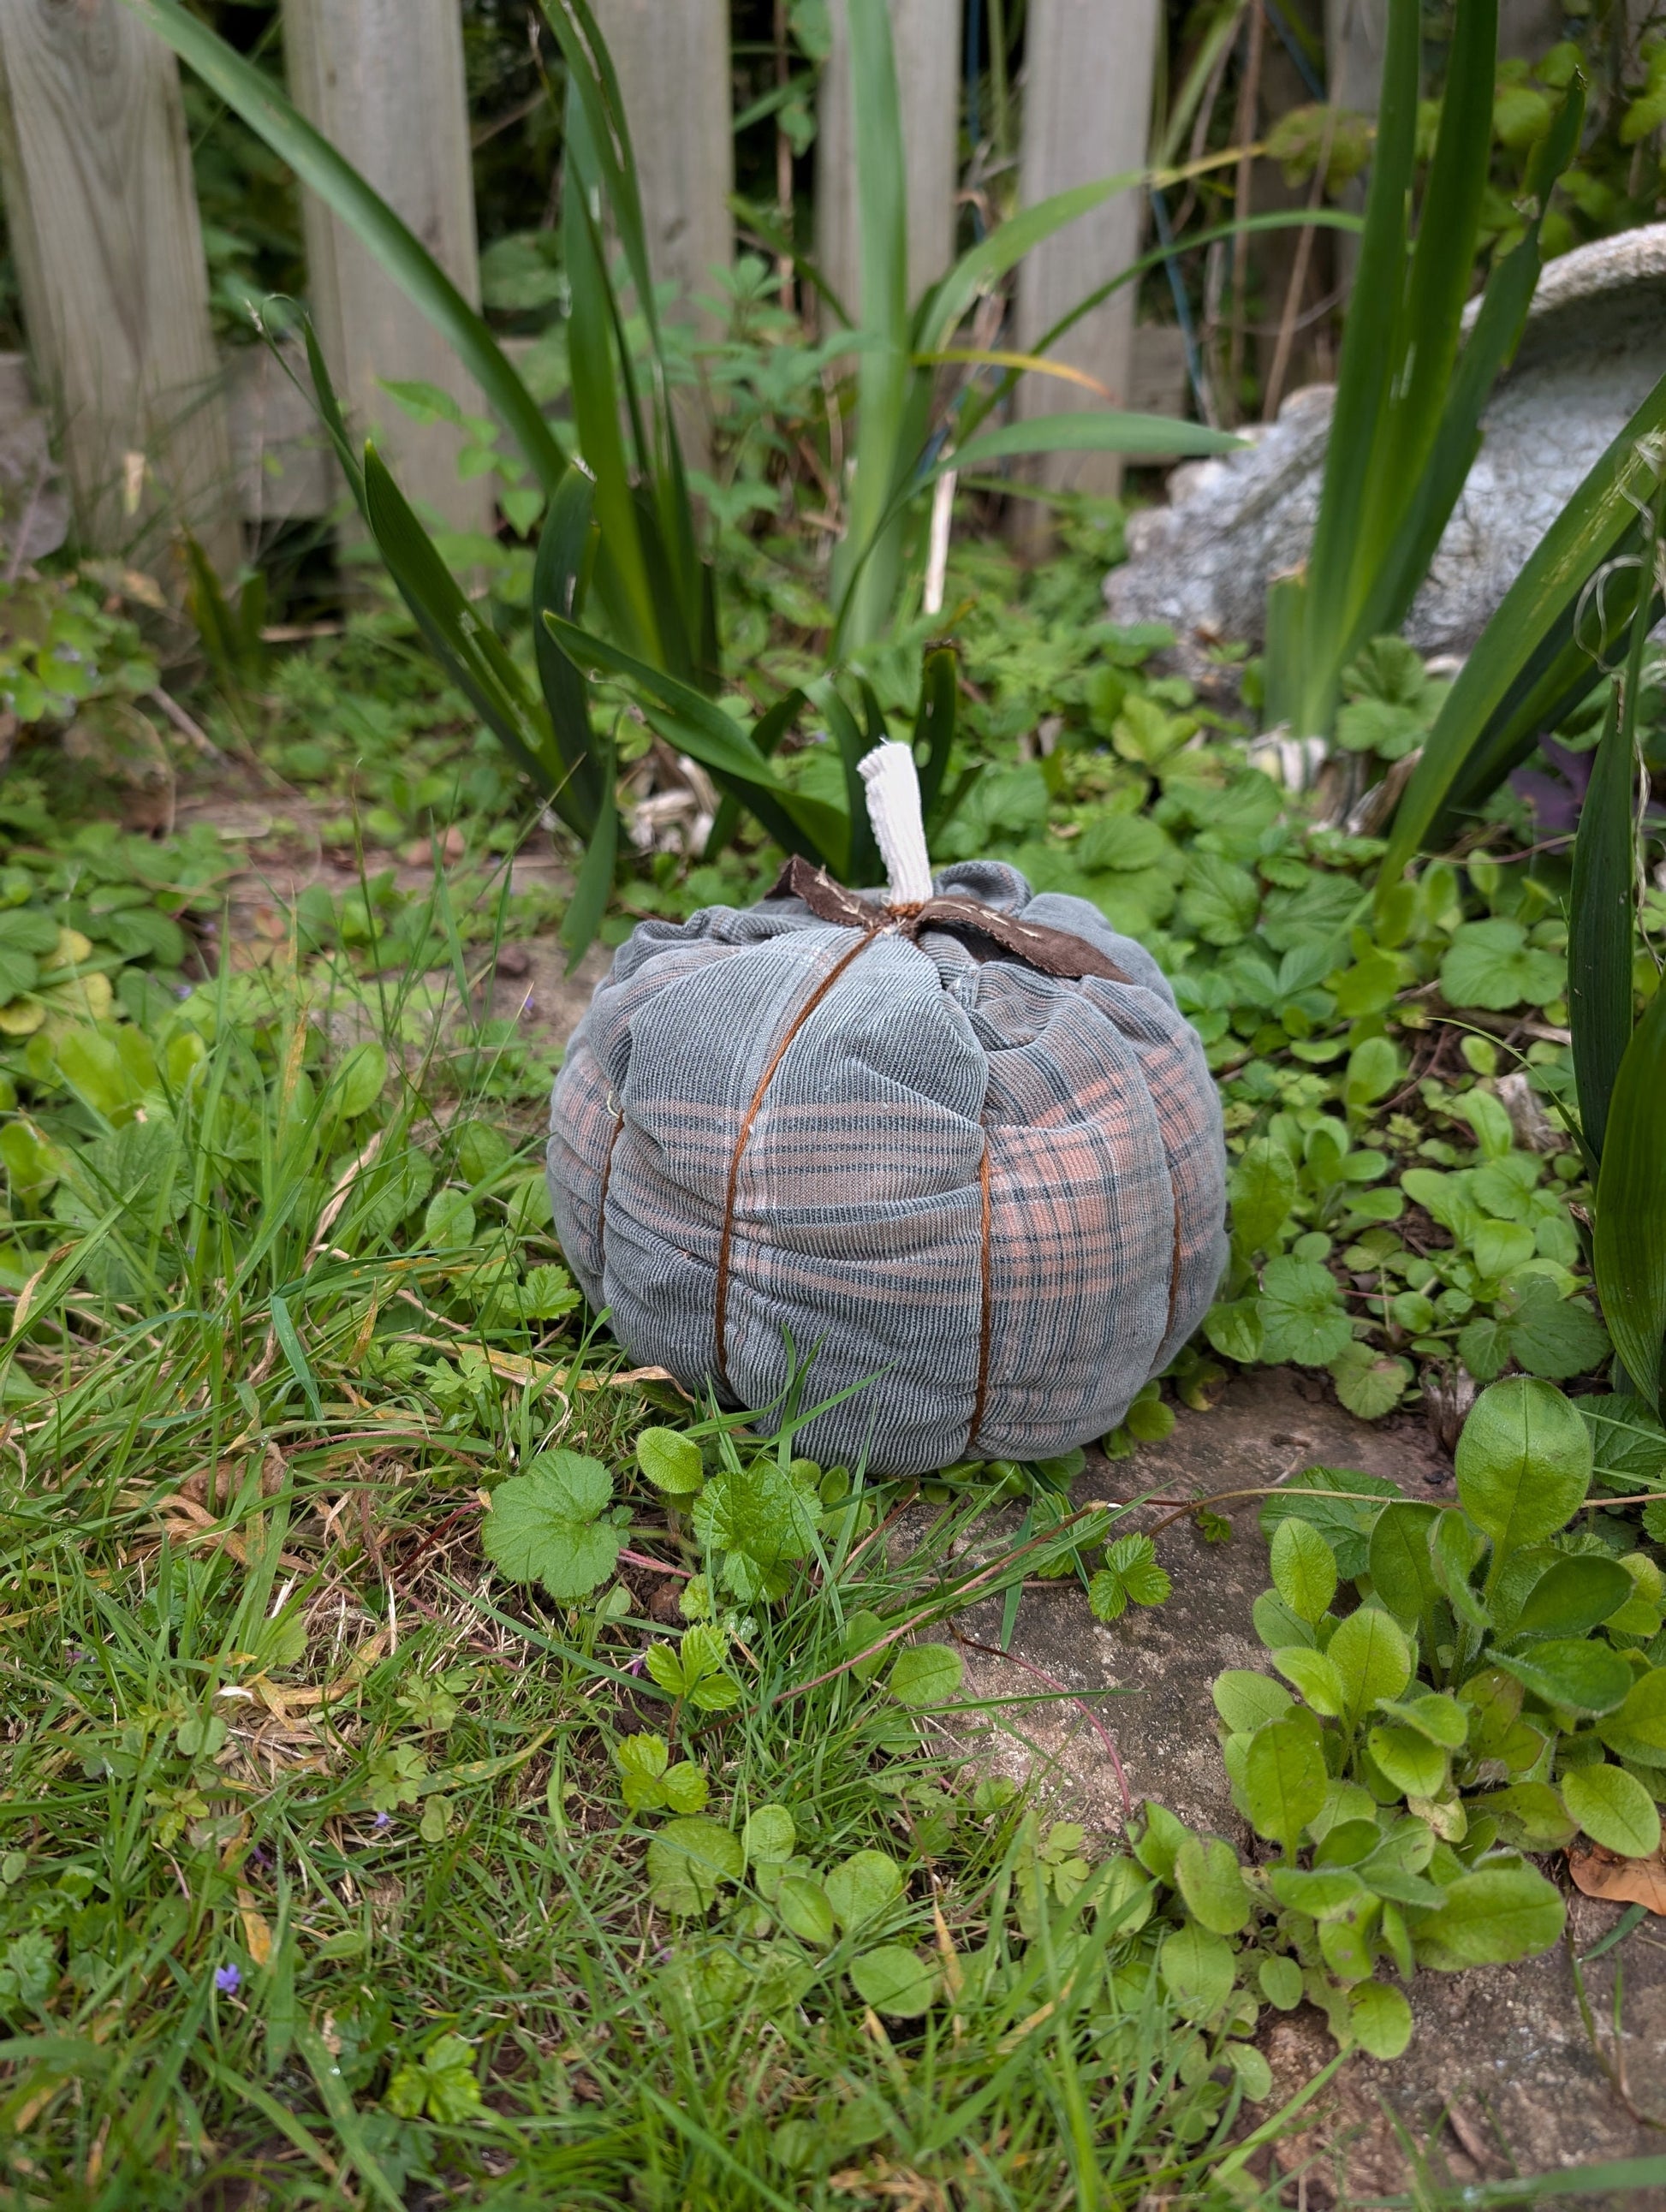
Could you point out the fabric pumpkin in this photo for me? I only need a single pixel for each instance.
(991, 1198)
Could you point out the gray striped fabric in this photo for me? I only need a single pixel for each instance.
(857, 1215)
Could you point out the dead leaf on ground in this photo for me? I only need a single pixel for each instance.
(1604, 1874)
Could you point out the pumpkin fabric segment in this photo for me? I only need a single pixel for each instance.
(993, 1196)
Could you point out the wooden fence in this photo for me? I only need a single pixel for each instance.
(155, 428)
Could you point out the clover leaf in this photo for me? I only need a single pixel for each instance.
(545, 1525)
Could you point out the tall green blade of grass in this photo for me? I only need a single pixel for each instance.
(1629, 1246)
(468, 649)
(1528, 657)
(1364, 387)
(252, 95)
(1600, 917)
(558, 579)
(602, 154)
(869, 557)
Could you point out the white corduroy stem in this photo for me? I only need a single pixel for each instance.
(893, 808)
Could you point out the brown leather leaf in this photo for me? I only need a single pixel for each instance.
(1604, 1874)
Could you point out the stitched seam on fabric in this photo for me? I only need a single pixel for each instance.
(985, 1312)
(601, 1203)
(1174, 1271)
(726, 1241)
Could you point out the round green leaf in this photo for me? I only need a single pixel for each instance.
(1197, 1969)
(1212, 1882)
(1244, 1698)
(1304, 1569)
(1413, 1765)
(1281, 1983)
(544, 1525)
(804, 1910)
(1303, 1317)
(1638, 1731)
(671, 1461)
(1614, 1809)
(1253, 2070)
(862, 1887)
(689, 1861)
(449, 1221)
(925, 1674)
(768, 1837)
(1523, 1462)
(894, 1981)
(357, 1083)
(1381, 2018)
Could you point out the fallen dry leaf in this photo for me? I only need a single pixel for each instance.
(1604, 1874)
(256, 1933)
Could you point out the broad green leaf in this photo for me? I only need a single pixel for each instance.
(1523, 1462)
(1637, 1729)
(1158, 1843)
(671, 1461)
(862, 1887)
(1346, 1527)
(357, 1083)
(1629, 1254)
(1197, 1970)
(769, 1837)
(1381, 2018)
(1628, 1443)
(1441, 1718)
(1262, 1189)
(1614, 1809)
(1370, 1383)
(925, 1675)
(1412, 1762)
(1315, 1676)
(759, 1511)
(1244, 1698)
(1454, 1546)
(1322, 1893)
(1398, 1559)
(1490, 1918)
(1212, 1882)
(251, 93)
(1280, 1980)
(1369, 1653)
(1283, 1780)
(1302, 1316)
(1529, 1814)
(804, 1910)
(896, 1982)
(1572, 1596)
(690, 1860)
(1586, 1677)
(1304, 1569)
(1491, 965)
(545, 1525)
(449, 1221)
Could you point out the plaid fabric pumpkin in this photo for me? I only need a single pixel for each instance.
(992, 1196)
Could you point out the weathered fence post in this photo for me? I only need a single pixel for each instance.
(927, 36)
(102, 211)
(383, 81)
(672, 59)
(1086, 114)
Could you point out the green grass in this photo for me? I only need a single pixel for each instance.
(316, 1877)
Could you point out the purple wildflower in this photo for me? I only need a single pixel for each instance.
(383, 1820)
(229, 1980)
